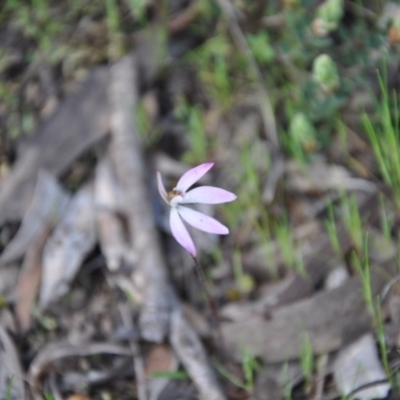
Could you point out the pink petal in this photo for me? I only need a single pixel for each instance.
(192, 176)
(202, 221)
(161, 188)
(180, 232)
(208, 195)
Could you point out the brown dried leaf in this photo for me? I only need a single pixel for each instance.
(29, 281)
(160, 358)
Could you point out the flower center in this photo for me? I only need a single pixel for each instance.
(174, 196)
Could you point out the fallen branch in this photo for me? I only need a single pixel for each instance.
(161, 313)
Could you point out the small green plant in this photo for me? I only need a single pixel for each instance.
(38, 22)
(250, 197)
(301, 137)
(285, 240)
(325, 74)
(249, 366)
(384, 138)
(260, 45)
(192, 118)
(114, 29)
(211, 59)
(244, 282)
(284, 236)
(374, 308)
(112, 17)
(138, 9)
(328, 16)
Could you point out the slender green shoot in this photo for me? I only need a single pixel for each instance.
(330, 225)
(8, 395)
(382, 344)
(307, 360)
(284, 236)
(198, 136)
(381, 337)
(288, 386)
(364, 270)
(177, 375)
(230, 377)
(352, 220)
(250, 366)
(250, 177)
(342, 131)
(149, 134)
(386, 224)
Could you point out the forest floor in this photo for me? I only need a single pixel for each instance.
(295, 104)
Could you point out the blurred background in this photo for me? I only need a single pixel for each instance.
(295, 101)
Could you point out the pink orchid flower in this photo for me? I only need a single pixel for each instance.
(180, 195)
